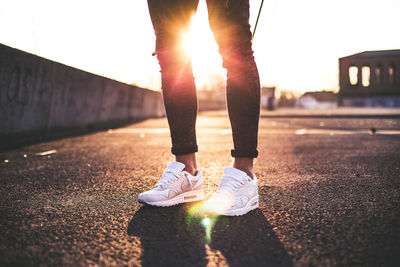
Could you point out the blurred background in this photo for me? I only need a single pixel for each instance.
(297, 45)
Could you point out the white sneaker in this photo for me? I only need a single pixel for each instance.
(236, 195)
(175, 186)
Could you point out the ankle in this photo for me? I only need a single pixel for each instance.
(245, 165)
(192, 171)
(249, 173)
(190, 162)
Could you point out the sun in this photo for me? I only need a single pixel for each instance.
(198, 43)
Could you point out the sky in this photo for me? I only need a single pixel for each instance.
(297, 44)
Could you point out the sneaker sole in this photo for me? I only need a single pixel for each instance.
(190, 196)
(251, 205)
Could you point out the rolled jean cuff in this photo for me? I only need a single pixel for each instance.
(178, 151)
(244, 153)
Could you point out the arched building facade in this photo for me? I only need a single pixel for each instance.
(370, 79)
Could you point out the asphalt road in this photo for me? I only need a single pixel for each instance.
(329, 196)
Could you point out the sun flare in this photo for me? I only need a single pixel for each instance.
(198, 43)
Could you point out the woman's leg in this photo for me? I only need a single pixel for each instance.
(229, 21)
(170, 18)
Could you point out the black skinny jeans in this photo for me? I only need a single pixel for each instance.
(229, 21)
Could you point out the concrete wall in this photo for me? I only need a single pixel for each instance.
(38, 95)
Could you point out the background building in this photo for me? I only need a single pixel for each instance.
(320, 99)
(370, 78)
(268, 98)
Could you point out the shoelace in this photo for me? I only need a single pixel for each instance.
(167, 177)
(230, 183)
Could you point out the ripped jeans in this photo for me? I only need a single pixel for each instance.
(229, 21)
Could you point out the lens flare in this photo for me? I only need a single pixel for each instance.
(197, 212)
(205, 222)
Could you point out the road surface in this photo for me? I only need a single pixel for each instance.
(329, 196)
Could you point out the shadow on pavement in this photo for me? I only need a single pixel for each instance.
(170, 237)
(249, 241)
(166, 237)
